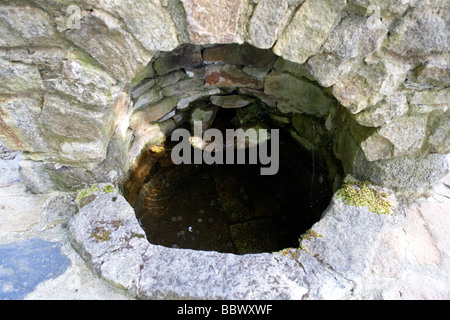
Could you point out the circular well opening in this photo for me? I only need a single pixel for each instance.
(232, 208)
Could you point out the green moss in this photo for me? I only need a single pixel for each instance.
(294, 253)
(309, 235)
(108, 189)
(83, 58)
(85, 196)
(101, 234)
(360, 194)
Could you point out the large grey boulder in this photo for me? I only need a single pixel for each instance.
(348, 239)
(108, 237)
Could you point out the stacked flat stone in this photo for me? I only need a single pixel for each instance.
(66, 73)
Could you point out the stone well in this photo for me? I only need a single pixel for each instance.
(90, 92)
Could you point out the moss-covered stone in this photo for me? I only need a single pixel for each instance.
(85, 196)
(361, 194)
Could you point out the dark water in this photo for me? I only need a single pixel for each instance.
(232, 208)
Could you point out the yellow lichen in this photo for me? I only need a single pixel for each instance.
(108, 189)
(83, 196)
(360, 194)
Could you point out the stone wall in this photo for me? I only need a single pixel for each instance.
(67, 69)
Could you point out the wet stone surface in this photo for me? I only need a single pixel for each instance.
(24, 264)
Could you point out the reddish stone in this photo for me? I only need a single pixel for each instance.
(230, 76)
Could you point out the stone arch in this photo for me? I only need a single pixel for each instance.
(81, 71)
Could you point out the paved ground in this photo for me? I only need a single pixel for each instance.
(38, 262)
(36, 258)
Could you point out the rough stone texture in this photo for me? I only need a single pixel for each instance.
(212, 22)
(184, 88)
(377, 147)
(113, 228)
(32, 24)
(155, 33)
(392, 258)
(357, 254)
(408, 174)
(348, 43)
(235, 101)
(52, 71)
(11, 38)
(104, 162)
(65, 69)
(85, 83)
(149, 97)
(383, 112)
(243, 281)
(184, 56)
(359, 89)
(19, 121)
(70, 120)
(184, 103)
(361, 226)
(308, 29)
(205, 113)
(414, 264)
(426, 101)
(407, 134)
(152, 113)
(64, 101)
(384, 8)
(267, 22)
(42, 177)
(103, 37)
(152, 272)
(408, 255)
(17, 77)
(245, 54)
(422, 31)
(9, 166)
(298, 95)
(230, 76)
(298, 70)
(434, 73)
(142, 88)
(439, 140)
